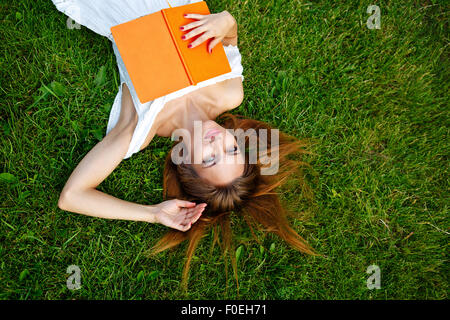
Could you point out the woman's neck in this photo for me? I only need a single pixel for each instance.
(181, 113)
(191, 112)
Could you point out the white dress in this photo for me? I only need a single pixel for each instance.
(100, 16)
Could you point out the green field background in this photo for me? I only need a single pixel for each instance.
(375, 103)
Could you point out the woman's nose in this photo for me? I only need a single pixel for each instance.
(216, 137)
(217, 143)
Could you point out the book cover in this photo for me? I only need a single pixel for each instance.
(158, 61)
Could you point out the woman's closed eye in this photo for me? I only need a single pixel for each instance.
(211, 160)
(233, 150)
(208, 162)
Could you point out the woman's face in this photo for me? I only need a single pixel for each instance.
(221, 159)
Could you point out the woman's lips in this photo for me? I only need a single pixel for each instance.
(212, 133)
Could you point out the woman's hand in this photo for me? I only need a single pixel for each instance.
(178, 214)
(217, 25)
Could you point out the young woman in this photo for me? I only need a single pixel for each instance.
(202, 194)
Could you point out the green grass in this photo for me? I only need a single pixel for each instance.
(375, 102)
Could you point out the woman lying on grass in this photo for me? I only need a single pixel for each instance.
(217, 176)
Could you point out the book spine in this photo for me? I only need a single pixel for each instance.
(191, 81)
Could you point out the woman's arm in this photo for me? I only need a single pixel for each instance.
(221, 26)
(232, 36)
(80, 194)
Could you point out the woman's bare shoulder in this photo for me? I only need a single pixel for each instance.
(226, 94)
(233, 92)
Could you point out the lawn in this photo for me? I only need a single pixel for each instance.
(374, 101)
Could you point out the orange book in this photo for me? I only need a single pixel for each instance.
(158, 61)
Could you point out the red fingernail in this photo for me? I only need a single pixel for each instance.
(190, 46)
(184, 15)
(181, 28)
(183, 37)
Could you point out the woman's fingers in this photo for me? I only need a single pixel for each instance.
(194, 212)
(183, 227)
(191, 25)
(212, 44)
(194, 16)
(195, 218)
(186, 225)
(202, 205)
(200, 40)
(185, 204)
(194, 33)
(211, 26)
